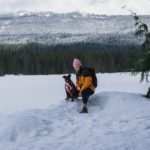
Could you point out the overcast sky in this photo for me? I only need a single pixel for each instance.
(89, 6)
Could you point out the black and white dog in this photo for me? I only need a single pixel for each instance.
(70, 88)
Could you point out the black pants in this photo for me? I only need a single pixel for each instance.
(85, 95)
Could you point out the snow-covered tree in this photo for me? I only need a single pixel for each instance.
(143, 63)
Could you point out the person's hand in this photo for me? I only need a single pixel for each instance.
(78, 88)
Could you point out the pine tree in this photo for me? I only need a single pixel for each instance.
(143, 63)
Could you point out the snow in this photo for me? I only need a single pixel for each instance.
(25, 92)
(48, 27)
(35, 116)
(2, 29)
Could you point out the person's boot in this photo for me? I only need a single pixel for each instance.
(84, 110)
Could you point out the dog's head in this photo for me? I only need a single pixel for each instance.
(67, 78)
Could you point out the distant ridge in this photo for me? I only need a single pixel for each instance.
(23, 26)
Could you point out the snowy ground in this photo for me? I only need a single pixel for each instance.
(35, 116)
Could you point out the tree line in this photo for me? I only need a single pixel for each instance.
(35, 58)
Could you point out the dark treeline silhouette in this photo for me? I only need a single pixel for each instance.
(35, 58)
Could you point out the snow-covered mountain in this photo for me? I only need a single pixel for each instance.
(51, 28)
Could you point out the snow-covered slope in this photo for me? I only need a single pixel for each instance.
(53, 28)
(118, 117)
(117, 121)
(18, 93)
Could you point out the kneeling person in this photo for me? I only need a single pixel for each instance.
(84, 83)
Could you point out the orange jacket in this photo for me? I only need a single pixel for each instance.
(84, 82)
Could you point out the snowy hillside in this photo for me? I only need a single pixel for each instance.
(53, 28)
(118, 116)
(117, 121)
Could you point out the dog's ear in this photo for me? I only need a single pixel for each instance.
(64, 77)
(69, 75)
